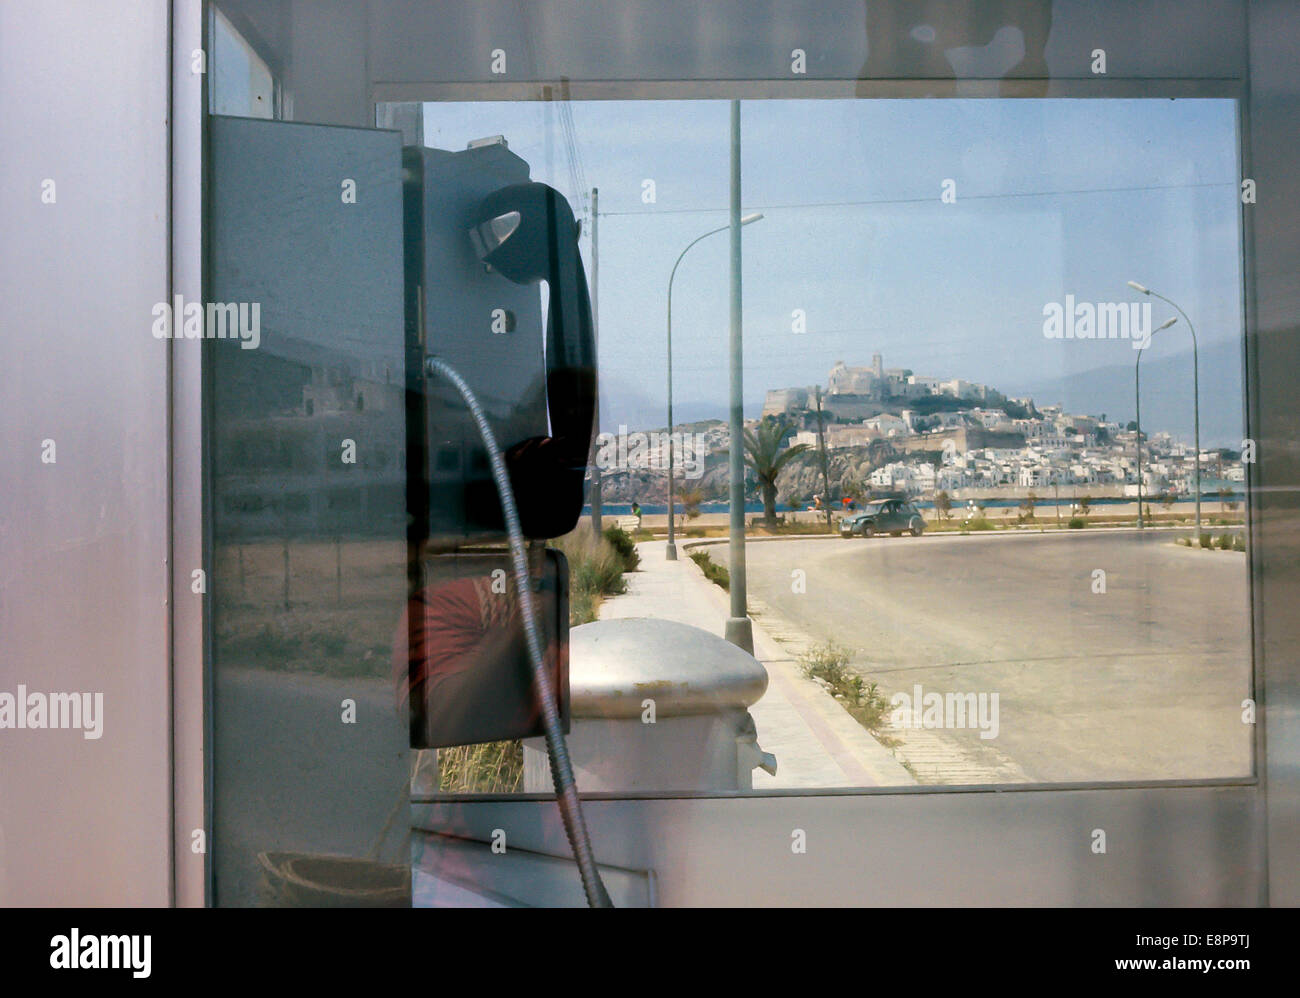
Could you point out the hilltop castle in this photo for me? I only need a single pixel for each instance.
(861, 390)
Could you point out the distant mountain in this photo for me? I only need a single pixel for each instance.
(1166, 394)
(1166, 397)
(622, 402)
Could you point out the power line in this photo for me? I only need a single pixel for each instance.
(927, 200)
(573, 153)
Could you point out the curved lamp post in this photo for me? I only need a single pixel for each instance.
(1137, 398)
(671, 552)
(1196, 395)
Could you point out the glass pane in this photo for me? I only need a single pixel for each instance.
(941, 378)
(308, 480)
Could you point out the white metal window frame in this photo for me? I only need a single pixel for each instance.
(1208, 843)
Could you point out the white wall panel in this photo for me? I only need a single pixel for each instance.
(83, 541)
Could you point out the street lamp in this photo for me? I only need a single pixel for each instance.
(671, 552)
(1196, 394)
(1137, 398)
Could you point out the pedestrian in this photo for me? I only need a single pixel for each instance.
(636, 511)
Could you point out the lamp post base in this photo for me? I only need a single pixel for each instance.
(670, 552)
(740, 632)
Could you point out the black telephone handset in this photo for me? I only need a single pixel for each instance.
(527, 233)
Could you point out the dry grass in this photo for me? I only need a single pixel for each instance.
(595, 571)
(492, 767)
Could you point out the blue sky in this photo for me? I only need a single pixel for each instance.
(1053, 197)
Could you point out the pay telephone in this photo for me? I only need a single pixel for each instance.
(482, 665)
(480, 238)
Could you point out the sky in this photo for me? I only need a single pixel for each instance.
(1053, 197)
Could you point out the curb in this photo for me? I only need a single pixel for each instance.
(824, 716)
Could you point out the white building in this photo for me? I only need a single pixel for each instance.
(779, 401)
(887, 425)
(845, 380)
(1034, 475)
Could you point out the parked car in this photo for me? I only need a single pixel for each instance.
(892, 516)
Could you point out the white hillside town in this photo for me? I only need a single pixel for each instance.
(961, 436)
(890, 430)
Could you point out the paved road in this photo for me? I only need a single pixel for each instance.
(1142, 682)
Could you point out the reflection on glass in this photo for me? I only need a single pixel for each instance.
(460, 660)
(308, 496)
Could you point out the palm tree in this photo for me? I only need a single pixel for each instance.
(943, 504)
(1027, 506)
(763, 453)
(690, 500)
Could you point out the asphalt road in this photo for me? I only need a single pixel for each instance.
(1144, 681)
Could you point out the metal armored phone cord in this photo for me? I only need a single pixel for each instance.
(566, 791)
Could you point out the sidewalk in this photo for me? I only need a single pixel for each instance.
(816, 742)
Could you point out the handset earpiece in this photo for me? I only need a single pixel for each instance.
(527, 233)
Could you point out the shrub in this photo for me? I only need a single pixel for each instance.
(829, 663)
(584, 607)
(595, 571)
(715, 573)
(1077, 523)
(601, 575)
(1207, 541)
(1239, 542)
(980, 522)
(621, 541)
(1225, 542)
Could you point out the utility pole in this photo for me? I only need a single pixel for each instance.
(740, 629)
(1196, 393)
(821, 453)
(670, 553)
(595, 496)
(1137, 405)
